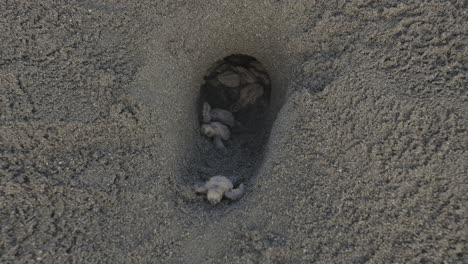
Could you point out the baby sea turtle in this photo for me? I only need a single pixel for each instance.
(219, 186)
(249, 95)
(236, 83)
(217, 115)
(217, 131)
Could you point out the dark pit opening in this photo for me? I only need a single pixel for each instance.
(236, 86)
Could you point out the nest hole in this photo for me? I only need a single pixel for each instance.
(238, 86)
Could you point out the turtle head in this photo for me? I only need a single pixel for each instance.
(215, 195)
(207, 130)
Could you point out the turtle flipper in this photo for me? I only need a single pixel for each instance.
(223, 116)
(236, 194)
(200, 188)
(218, 142)
(206, 112)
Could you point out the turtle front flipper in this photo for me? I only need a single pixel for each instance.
(218, 142)
(236, 194)
(200, 188)
(223, 116)
(206, 113)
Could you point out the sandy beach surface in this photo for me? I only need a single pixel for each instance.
(361, 158)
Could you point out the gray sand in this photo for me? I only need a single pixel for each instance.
(364, 156)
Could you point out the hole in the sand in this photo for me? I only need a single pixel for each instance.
(233, 104)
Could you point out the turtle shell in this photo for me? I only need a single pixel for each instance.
(236, 83)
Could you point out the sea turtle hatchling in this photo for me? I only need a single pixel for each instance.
(249, 94)
(217, 131)
(217, 115)
(237, 83)
(219, 186)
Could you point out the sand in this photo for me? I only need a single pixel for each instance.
(363, 157)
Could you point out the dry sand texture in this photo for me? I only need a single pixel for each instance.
(363, 157)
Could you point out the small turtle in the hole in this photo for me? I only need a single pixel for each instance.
(219, 186)
(236, 83)
(249, 95)
(217, 131)
(217, 115)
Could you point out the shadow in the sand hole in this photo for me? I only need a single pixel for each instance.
(233, 107)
